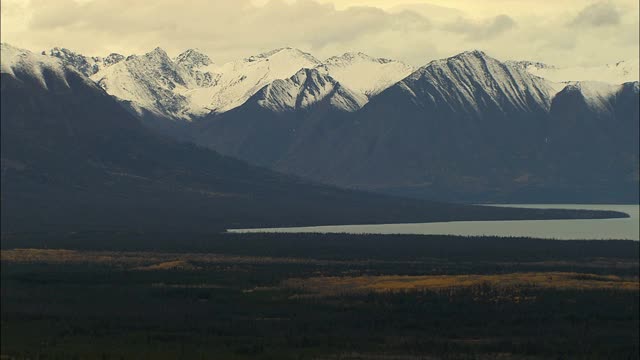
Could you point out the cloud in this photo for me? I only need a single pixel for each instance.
(598, 14)
(410, 30)
(476, 30)
(226, 29)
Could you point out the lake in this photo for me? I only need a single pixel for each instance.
(592, 229)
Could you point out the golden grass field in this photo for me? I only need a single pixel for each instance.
(150, 260)
(350, 283)
(147, 260)
(331, 286)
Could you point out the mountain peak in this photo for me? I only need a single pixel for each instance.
(478, 54)
(10, 56)
(472, 82)
(364, 73)
(596, 95)
(468, 58)
(350, 57)
(87, 65)
(64, 53)
(157, 52)
(355, 55)
(307, 88)
(193, 58)
(615, 73)
(157, 55)
(285, 51)
(113, 58)
(151, 83)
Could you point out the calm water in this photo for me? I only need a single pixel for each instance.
(628, 228)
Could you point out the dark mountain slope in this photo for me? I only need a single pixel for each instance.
(266, 128)
(593, 139)
(466, 124)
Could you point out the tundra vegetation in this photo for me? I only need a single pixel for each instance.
(314, 296)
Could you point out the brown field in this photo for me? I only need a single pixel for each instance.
(149, 260)
(135, 260)
(331, 286)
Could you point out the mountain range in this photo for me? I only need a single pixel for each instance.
(73, 159)
(192, 85)
(465, 128)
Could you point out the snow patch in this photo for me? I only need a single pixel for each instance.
(618, 73)
(597, 95)
(239, 80)
(365, 74)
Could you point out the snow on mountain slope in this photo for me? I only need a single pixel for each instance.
(598, 96)
(85, 64)
(306, 88)
(192, 85)
(365, 74)
(26, 66)
(621, 72)
(151, 82)
(195, 61)
(473, 82)
(241, 79)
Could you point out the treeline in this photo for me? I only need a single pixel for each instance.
(334, 246)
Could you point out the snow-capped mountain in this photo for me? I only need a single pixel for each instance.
(365, 74)
(239, 80)
(475, 84)
(43, 71)
(85, 64)
(618, 73)
(49, 107)
(598, 96)
(194, 61)
(308, 87)
(151, 82)
(359, 75)
(468, 126)
(469, 96)
(191, 85)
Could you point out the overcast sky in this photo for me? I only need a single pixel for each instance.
(561, 32)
